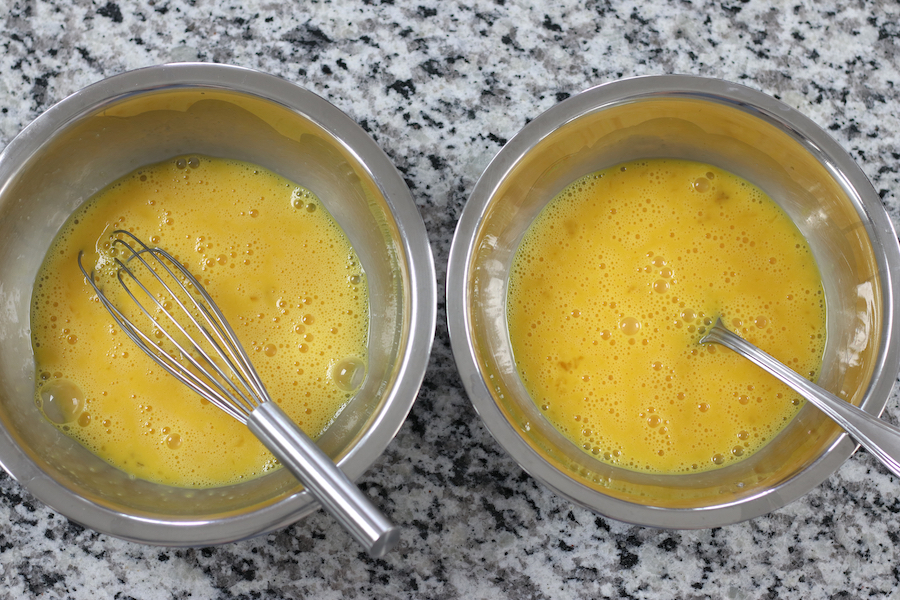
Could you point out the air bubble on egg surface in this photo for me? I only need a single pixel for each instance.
(304, 198)
(61, 401)
(630, 325)
(348, 374)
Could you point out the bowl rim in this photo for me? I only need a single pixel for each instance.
(415, 249)
(615, 93)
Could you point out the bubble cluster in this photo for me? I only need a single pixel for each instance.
(647, 255)
(288, 281)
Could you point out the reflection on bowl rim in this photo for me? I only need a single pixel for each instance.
(415, 249)
(459, 317)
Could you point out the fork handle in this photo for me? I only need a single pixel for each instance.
(325, 481)
(875, 435)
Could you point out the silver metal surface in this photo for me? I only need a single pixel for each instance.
(209, 359)
(747, 133)
(878, 437)
(337, 494)
(107, 130)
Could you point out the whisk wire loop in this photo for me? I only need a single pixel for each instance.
(229, 380)
(229, 401)
(163, 359)
(239, 361)
(243, 400)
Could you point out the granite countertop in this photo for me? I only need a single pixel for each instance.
(441, 86)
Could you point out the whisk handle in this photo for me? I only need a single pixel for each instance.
(326, 482)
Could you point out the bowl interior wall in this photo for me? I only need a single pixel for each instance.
(94, 150)
(746, 143)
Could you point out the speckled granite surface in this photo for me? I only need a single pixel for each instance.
(441, 86)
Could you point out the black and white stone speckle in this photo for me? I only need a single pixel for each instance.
(441, 86)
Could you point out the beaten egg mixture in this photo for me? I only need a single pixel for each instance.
(276, 263)
(616, 281)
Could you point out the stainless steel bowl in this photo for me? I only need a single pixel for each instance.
(740, 130)
(109, 129)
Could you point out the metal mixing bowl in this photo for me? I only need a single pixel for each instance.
(117, 125)
(754, 136)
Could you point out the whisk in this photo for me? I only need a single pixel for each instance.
(209, 359)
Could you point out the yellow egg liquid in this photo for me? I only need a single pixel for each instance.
(613, 286)
(278, 266)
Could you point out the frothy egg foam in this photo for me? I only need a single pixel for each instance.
(278, 266)
(616, 281)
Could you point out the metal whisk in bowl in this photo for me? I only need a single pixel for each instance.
(209, 359)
